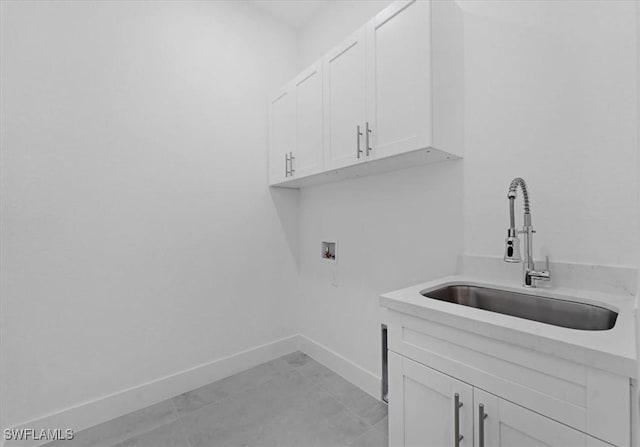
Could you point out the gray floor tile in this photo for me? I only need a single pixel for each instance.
(254, 376)
(291, 401)
(348, 427)
(296, 359)
(124, 427)
(239, 419)
(356, 400)
(322, 422)
(315, 405)
(372, 438)
(225, 422)
(383, 426)
(168, 435)
(375, 413)
(199, 397)
(316, 372)
(295, 430)
(321, 405)
(288, 390)
(229, 386)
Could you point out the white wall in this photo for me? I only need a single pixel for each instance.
(332, 24)
(550, 92)
(393, 230)
(550, 97)
(139, 237)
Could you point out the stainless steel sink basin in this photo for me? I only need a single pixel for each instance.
(553, 311)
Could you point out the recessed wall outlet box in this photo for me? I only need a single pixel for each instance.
(328, 251)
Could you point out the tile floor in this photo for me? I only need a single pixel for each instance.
(291, 401)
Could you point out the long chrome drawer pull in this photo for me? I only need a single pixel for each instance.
(457, 437)
(481, 417)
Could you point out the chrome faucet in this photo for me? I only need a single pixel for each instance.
(512, 248)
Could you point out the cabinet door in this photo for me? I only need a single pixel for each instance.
(510, 425)
(309, 131)
(281, 134)
(422, 410)
(345, 102)
(399, 78)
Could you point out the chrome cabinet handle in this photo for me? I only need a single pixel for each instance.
(368, 130)
(481, 417)
(291, 158)
(286, 166)
(457, 437)
(358, 135)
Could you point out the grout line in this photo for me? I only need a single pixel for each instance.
(223, 399)
(231, 396)
(349, 410)
(147, 431)
(181, 423)
(175, 409)
(361, 436)
(336, 397)
(379, 423)
(318, 384)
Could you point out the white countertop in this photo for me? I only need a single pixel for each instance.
(611, 350)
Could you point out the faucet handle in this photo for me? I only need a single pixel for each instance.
(539, 275)
(532, 276)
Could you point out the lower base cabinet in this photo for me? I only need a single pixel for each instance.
(428, 408)
(422, 406)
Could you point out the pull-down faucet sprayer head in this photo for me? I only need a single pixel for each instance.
(512, 243)
(512, 246)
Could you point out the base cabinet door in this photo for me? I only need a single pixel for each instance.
(427, 408)
(499, 423)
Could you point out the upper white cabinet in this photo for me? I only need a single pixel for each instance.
(345, 102)
(282, 137)
(296, 132)
(391, 96)
(399, 79)
(309, 132)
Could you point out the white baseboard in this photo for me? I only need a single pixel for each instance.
(114, 405)
(346, 368)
